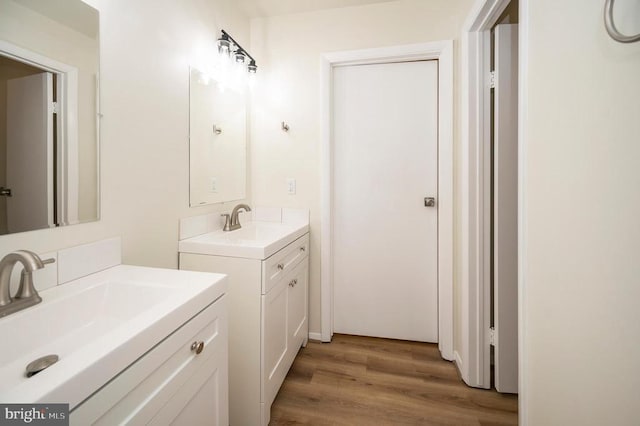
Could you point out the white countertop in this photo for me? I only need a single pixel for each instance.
(255, 240)
(98, 325)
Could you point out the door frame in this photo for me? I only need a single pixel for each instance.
(442, 51)
(472, 356)
(67, 133)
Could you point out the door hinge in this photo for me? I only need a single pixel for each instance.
(492, 336)
(492, 80)
(55, 109)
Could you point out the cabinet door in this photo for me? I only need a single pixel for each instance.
(201, 401)
(169, 379)
(274, 340)
(297, 309)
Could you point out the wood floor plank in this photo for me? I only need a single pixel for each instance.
(368, 381)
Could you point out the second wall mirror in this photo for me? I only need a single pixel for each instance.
(217, 141)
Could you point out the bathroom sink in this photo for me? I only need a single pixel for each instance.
(255, 240)
(97, 326)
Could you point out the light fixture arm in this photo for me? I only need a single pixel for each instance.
(240, 48)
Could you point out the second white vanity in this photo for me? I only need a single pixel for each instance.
(268, 267)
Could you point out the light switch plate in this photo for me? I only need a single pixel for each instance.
(291, 186)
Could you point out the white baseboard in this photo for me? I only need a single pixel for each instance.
(446, 354)
(315, 336)
(458, 363)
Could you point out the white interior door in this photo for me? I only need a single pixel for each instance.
(30, 141)
(385, 163)
(505, 207)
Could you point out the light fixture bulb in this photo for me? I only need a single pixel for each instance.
(252, 67)
(224, 45)
(240, 56)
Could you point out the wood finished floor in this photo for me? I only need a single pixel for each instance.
(367, 381)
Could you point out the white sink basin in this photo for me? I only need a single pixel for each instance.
(255, 240)
(97, 325)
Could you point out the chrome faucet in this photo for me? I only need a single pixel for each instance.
(26, 295)
(232, 222)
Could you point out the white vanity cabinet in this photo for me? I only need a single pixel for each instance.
(268, 323)
(182, 381)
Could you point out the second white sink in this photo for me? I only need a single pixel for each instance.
(255, 240)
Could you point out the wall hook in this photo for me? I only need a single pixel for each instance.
(285, 127)
(217, 129)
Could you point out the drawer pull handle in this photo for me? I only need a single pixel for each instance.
(303, 249)
(197, 347)
(281, 266)
(293, 283)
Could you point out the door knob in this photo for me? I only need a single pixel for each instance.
(429, 201)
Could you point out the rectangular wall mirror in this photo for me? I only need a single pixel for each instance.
(217, 141)
(49, 62)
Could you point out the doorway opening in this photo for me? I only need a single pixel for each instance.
(503, 281)
(28, 125)
(39, 169)
(442, 52)
(488, 353)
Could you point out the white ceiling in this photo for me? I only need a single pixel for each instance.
(264, 8)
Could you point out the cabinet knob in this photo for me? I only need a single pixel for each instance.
(197, 347)
(293, 283)
(303, 249)
(281, 266)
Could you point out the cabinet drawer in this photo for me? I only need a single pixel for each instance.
(168, 377)
(278, 265)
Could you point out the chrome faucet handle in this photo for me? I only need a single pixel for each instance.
(235, 220)
(227, 221)
(232, 221)
(27, 289)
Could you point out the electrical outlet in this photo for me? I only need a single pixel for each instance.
(291, 186)
(213, 187)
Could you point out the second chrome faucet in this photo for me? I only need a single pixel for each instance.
(232, 222)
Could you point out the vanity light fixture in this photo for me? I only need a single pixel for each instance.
(228, 46)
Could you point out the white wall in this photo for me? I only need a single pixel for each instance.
(582, 211)
(146, 49)
(288, 49)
